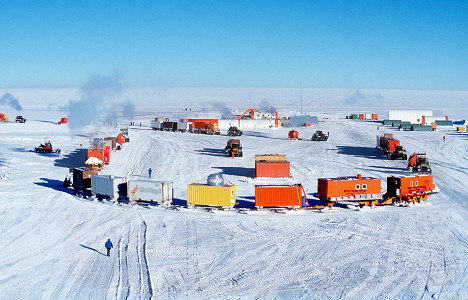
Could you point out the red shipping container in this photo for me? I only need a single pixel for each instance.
(272, 169)
(280, 196)
(100, 152)
(375, 116)
(361, 116)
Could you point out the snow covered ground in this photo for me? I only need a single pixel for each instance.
(52, 243)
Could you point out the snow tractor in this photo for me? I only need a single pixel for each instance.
(418, 162)
(398, 153)
(320, 136)
(234, 148)
(20, 119)
(234, 131)
(46, 148)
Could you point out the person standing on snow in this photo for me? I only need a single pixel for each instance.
(149, 172)
(108, 246)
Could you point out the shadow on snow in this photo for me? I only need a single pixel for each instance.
(237, 171)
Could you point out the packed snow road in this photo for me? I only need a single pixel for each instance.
(52, 243)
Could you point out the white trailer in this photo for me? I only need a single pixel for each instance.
(148, 190)
(106, 185)
(184, 126)
(156, 125)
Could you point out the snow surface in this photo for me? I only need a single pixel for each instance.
(52, 243)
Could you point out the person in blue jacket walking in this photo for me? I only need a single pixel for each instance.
(108, 246)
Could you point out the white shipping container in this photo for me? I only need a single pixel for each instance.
(156, 125)
(408, 115)
(428, 120)
(147, 190)
(368, 116)
(184, 126)
(106, 185)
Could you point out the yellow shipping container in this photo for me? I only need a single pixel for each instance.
(211, 195)
(271, 157)
(461, 129)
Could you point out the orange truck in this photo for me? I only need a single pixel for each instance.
(391, 147)
(280, 196)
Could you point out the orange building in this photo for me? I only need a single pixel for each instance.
(352, 188)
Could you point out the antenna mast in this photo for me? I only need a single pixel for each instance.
(300, 91)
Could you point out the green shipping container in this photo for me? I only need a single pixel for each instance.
(405, 126)
(444, 123)
(354, 116)
(421, 128)
(389, 122)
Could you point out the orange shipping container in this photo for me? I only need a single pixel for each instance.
(280, 196)
(272, 169)
(336, 189)
(375, 116)
(361, 116)
(102, 153)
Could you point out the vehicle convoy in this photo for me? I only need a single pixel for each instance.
(418, 162)
(20, 119)
(46, 148)
(234, 148)
(234, 131)
(319, 135)
(391, 147)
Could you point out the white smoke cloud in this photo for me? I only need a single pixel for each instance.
(265, 106)
(11, 101)
(222, 108)
(100, 100)
(359, 98)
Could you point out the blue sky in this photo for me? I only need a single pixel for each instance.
(265, 44)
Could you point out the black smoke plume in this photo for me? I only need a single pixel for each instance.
(11, 101)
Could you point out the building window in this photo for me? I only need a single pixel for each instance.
(416, 183)
(364, 186)
(358, 186)
(411, 184)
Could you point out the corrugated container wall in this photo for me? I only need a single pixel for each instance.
(107, 185)
(272, 169)
(280, 196)
(147, 190)
(211, 195)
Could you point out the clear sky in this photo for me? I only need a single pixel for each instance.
(267, 44)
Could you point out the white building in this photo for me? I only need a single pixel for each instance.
(408, 115)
